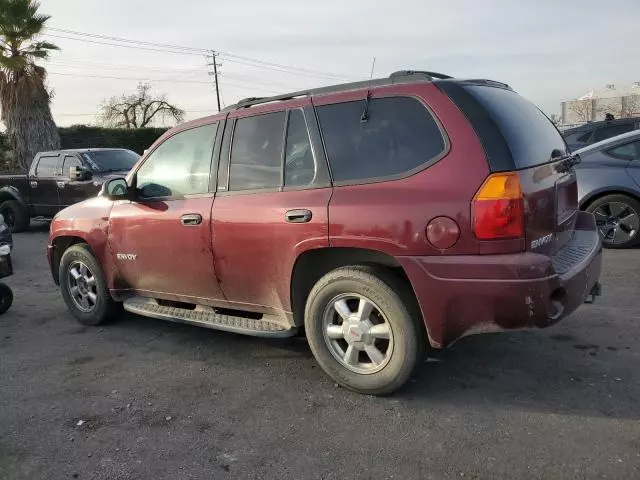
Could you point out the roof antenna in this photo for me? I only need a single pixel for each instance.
(365, 113)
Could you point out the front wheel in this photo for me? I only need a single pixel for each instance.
(83, 286)
(361, 330)
(618, 219)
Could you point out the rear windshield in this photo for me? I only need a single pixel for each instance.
(531, 137)
(111, 160)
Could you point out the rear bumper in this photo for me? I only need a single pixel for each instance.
(463, 295)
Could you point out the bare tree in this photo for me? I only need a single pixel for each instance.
(556, 119)
(581, 109)
(630, 106)
(138, 110)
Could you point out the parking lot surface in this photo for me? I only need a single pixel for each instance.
(146, 399)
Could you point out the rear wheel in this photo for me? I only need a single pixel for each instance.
(15, 216)
(83, 287)
(361, 331)
(618, 219)
(6, 298)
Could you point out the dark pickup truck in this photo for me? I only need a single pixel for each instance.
(59, 179)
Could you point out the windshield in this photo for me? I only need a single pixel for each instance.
(111, 160)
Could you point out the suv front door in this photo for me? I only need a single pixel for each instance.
(44, 186)
(74, 191)
(271, 205)
(161, 241)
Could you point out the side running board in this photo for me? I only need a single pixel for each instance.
(203, 316)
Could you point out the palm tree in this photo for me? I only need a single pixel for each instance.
(24, 98)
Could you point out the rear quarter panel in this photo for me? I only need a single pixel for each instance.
(599, 175)
(391, 216)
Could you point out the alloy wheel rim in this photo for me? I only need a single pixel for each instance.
(618, 222)
(358, 334)
(82, 286)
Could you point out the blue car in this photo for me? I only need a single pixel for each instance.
(609, 187)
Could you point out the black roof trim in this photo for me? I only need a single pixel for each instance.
(401, 76)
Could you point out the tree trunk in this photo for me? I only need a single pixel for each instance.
(30, 126)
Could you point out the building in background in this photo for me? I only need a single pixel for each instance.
(620, 101)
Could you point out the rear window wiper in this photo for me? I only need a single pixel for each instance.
(566, 163)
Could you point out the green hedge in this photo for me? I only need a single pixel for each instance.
(83, 136)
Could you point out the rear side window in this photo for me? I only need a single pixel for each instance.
(399, 136)
(628, 151)
(47, 166)
(531, 137)
(611, 131)
(256, 152)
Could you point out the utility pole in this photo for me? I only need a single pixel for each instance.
(212, 58)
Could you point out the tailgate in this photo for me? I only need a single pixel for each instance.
(551, 206)
(518, 137)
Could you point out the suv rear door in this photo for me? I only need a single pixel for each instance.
(271, 203)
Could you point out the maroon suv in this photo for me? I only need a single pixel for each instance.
(378, 216)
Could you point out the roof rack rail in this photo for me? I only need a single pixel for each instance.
(396, 77)
(429, 75)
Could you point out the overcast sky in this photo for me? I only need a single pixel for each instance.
(548, 50)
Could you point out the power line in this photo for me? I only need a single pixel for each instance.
(139, 42)
(136, 47)
(178, 49)
(83, 75)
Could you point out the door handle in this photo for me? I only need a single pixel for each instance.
(61, 184)
(33, 183)
(191, 219)
(298, 216)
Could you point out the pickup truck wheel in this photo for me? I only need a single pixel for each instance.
(618, 219)
(361, 331)
(15, 216)
(83, 286)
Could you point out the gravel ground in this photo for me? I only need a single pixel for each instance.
(146, 399)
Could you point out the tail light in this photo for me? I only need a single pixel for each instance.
(498, 208)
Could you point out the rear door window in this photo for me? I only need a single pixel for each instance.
(399, 137)
(530, 136)
(299, 164)
(256, 152)
(611, 131)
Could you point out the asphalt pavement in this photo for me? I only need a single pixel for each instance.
(146, 399)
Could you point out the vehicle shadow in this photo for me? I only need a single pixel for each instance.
(538, 371)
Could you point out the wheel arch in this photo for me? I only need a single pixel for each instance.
(312, 265)
(12, 193)
(60, 245)
(603, 192)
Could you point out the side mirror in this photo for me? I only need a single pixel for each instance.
(79, 173)
(116, 189)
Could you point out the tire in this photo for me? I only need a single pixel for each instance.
(392, 303)
(6, 298)
(15, 216)
(618, 219)
(89, 310)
